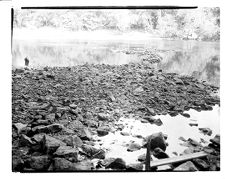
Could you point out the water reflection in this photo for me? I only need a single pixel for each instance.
(200, 59)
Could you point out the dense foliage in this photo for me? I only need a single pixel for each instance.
(201, 23)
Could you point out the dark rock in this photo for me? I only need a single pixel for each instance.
(187, 166)
(159, 153)
(201, 164)
(25, 141)
(216, 140)
(19, 70)
(206, 131)
(17, 164)
(193, 124)
(118, 164)
(133, 147)
(103, 130)
(157, 140)
(194, 142)
(39, 162)
(67, 152)
(185, 115)
(135, 167)
(53, 128)
(75, 125)
(151, 111)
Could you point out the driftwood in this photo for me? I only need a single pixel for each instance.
(150, 164)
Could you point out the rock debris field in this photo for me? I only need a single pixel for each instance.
(60, 113)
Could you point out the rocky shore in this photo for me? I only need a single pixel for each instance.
(58, 112)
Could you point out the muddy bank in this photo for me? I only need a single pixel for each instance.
(58, 114)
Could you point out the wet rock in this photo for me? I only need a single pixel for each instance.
(133, 147)
(206, 131)
(185, 167)
(103, 130)
(67, 152)
(53, 128)
(159, 153)
(118, 164)
(157, 140)
(39, 162)
(134, 167)
(201, 164)
(103, 117)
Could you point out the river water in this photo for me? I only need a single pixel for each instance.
(199, 59)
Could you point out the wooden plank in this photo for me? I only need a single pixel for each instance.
(177, 159)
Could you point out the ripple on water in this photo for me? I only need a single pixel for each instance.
(116, 144)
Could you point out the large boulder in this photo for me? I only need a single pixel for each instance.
(25, 141)
(157, 140)
(84, 134)
(73, 141)
(62, 165)
(185, 167)
(47, 144)
(159, 153)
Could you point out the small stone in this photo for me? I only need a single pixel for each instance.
(50, 117)
(103, 117)
(216, 140)
(142, 158)
(93, 152)
(187, 166)
(186, 115)
(73, 141)
(85, 165)
(103, 130)
(206, 131)
(158, 122)
(133, 147)
(74, 106)
(193, 124)
(118, 164)
(17, 164)
(124, 133)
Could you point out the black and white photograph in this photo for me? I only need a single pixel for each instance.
(115, 89)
